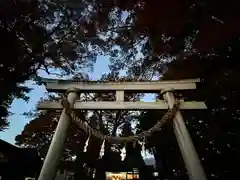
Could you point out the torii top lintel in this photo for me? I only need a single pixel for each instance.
(56, 85)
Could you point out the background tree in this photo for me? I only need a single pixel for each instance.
(16, 20)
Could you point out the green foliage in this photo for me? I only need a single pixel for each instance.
(16, 65)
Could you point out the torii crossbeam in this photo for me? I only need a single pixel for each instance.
(73, 88)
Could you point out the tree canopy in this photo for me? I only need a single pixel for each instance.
(138, 36)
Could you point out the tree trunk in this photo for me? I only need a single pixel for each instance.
(79, 169)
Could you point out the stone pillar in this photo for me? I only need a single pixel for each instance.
(188, 151)
(51, 162)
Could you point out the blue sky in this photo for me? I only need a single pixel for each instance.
(18, 121)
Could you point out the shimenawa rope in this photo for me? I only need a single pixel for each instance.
(118, 140)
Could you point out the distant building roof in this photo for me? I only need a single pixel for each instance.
(7, 148)
(13, 158)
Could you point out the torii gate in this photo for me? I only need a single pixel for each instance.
(74, 88)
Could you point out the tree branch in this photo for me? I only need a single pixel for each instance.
(119, 115)
(56, 28)
(99, 114)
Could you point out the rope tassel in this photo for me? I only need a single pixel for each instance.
(86, 144)
(102, 149)
(123, 153)
(134, 144)
(143, 146)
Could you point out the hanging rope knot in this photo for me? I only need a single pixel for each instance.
(101, 154)
(66, 105)
(165, 91)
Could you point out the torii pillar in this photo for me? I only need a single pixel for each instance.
(54, 153)
(188, 151)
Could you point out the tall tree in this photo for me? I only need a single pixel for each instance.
(16, 21)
